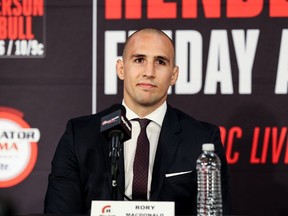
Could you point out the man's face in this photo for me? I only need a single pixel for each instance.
(147, 69)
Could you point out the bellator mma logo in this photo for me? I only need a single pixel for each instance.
(18, 147)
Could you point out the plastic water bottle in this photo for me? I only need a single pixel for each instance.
(209, 198)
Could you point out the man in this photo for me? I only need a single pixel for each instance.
(81, 167)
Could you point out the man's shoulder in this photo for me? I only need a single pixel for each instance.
(188, 120)
(90, 118)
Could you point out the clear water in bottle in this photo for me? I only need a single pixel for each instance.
(209, 198)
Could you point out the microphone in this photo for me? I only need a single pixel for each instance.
(116, 128)
(116, 124)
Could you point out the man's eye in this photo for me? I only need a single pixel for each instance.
(139, 60)
(161, 62)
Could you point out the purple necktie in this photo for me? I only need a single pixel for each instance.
(141, 163)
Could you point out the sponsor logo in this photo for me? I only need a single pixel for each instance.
(110, 121)
(18, 147)
(106, 209)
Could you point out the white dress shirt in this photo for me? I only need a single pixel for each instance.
(153, 131)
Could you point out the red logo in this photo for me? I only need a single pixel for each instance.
(18, 147)
(106, 209)
(110, 121)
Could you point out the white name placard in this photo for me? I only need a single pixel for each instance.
(132, 208)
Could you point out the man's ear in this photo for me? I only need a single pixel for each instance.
(120, 69)
(174, 75)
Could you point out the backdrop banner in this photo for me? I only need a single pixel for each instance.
(233, 61)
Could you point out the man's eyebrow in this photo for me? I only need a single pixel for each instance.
(138, 55)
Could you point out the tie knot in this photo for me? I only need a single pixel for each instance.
(143, 122)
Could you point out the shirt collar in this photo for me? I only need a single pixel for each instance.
(156, 116)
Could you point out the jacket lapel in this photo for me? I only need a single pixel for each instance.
(169, 141)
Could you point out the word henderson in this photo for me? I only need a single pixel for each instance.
(211, 9)
(22, 8)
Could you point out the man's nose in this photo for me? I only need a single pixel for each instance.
(150, 70)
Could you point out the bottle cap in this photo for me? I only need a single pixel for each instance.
(208, 147)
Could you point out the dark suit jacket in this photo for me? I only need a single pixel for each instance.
(81, 165)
